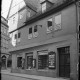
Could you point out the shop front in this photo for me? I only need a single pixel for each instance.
(51, 60)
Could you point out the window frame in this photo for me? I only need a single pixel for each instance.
(29, 55)
(43, 7)
(19, 35)
(55, 25)
(45, 53)
(49, 28)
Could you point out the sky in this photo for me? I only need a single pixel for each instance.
(5, 7)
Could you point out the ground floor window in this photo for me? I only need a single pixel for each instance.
(3, 64)
(43, 62)
(29, 61)
(19, 62)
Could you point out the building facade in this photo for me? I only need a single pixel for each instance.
(47, 44)
(4, 43)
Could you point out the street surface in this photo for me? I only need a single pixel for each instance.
(9, 77)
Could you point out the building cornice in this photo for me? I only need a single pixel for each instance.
(49, 41)
(55, 8)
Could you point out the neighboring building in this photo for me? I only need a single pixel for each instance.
(47, 43)
(4, 43)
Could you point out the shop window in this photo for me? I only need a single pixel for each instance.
(19, 35)
(29, 61)
(43, 62)
(49, 25)
(19, 62)
(30, 30)
(57, 25)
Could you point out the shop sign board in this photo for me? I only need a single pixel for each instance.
(52, 60)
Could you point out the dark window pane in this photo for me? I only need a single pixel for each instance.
(49, 23)
(42, 61)
(30, 30)
(19, 34)
(35, 28)
(15, 36)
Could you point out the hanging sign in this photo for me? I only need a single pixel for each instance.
(52, 60)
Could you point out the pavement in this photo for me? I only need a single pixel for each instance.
(31, 77)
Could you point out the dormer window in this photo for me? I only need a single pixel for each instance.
(43, 7)
(45, 4)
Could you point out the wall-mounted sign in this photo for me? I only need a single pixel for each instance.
(52, 60)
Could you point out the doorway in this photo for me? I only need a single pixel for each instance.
(64, 61)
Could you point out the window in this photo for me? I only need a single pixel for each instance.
(13, 20)
(15, 36)
(29, 61)
(42, 60)
(43, 7)
(21, 16)
(57, 22)
(49, 24)
(30, 30)
(19, 35)
(19, 62)
(30, 33)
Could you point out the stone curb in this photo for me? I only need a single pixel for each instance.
(23, 76)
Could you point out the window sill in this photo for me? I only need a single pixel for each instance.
(43, 69)
(28, 69)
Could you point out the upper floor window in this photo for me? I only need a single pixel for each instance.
(19, 35)
(15, 36)
(30, 30)
(49, 25)
(13, 20)
(30, 33)
(35, 34)
(35, 28)
(57, 25)
(43, 7)
(21, 16)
